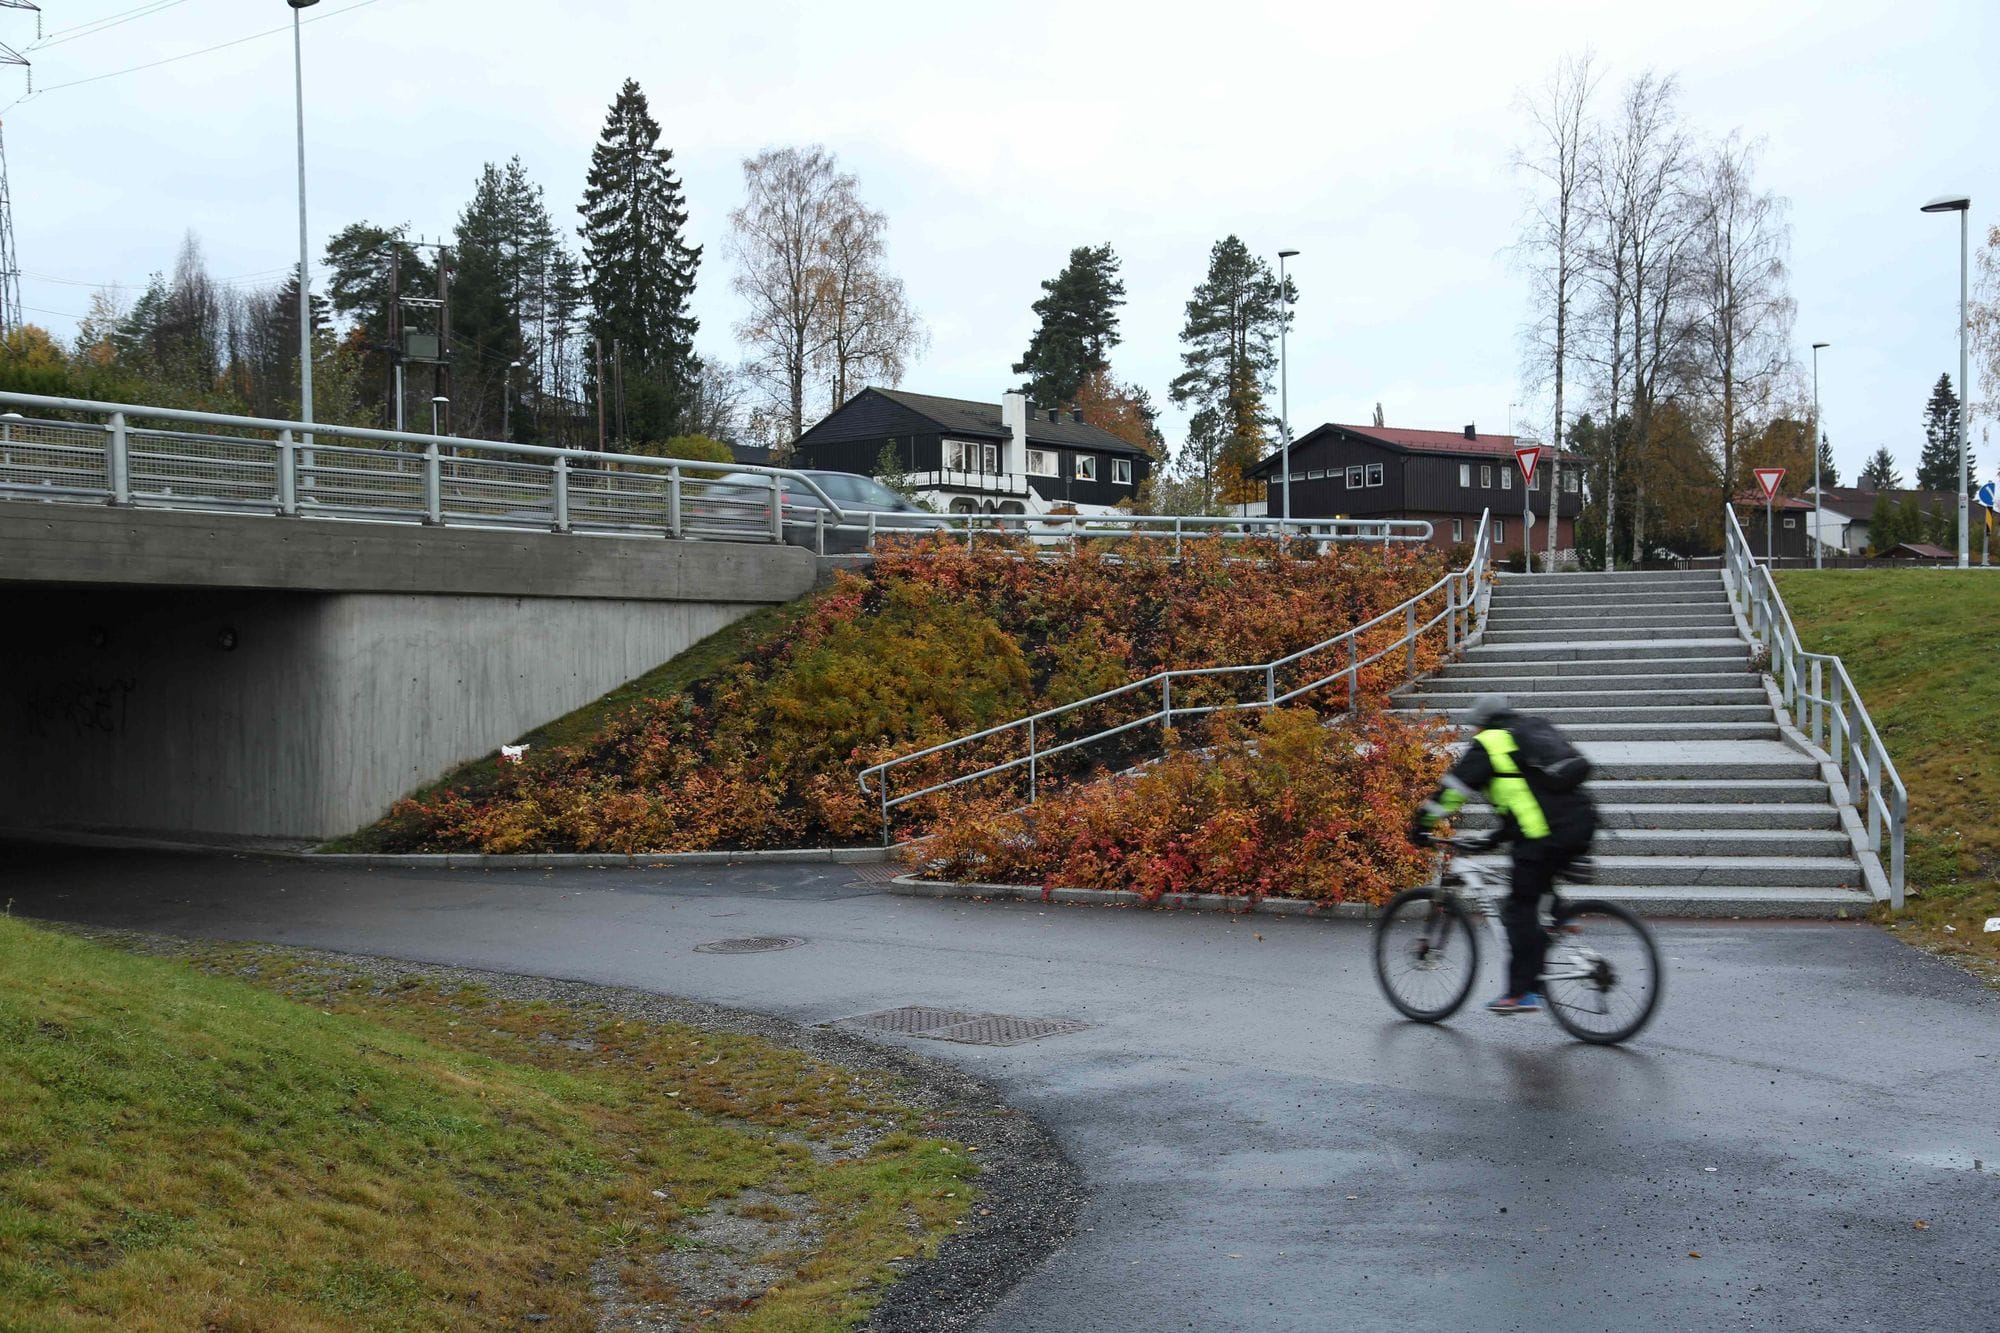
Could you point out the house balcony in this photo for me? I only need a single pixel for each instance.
(971, 482)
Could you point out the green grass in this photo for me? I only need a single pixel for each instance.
(251, 1139)
(1923, 647)
(477, 778)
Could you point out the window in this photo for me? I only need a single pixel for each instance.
(1791, 523)
(966, 456)
(1535, 482)
(1086, 467)
(1121, 471)
(1572, 481)
(989, 457)
(1354, 479)
(1506, 479)
(1458, 529)
(1042, 463)
(1486, 476)
(1374, 474)
(957, 455)
(1499, 531)
(1465, 474)
(1316, 474)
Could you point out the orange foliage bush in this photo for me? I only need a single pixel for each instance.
(1287, 806)
(934, 642)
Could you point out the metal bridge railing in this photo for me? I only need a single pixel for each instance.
(160, 457)
(1180, 694)
(1822, 700)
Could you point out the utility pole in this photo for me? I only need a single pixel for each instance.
(11, 317)
(396, 330)
(618, 392)
(305, 269)
(597, 352)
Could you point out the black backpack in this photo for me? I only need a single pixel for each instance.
(1547, 756)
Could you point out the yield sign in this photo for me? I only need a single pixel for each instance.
(1768, 478)
(1527, 456)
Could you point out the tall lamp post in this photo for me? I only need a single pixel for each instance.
(1818, 431)
(438, 404)
(305, 273)
(1960, 204)
(1284, 394)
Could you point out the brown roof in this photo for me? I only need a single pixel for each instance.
(1922, 550)
(1859, 501)
(1422, 442)
(1789, 503)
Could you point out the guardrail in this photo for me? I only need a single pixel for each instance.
(162, 457)
(1822, 700)
(1465, 594)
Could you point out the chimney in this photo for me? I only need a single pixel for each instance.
(1014, 420)
(1472, 432)
(1076, 415)
(1055, 415)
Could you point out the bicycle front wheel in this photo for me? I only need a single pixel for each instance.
(1426, 954)
(1603, 978)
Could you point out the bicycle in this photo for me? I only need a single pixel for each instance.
(1602, 979)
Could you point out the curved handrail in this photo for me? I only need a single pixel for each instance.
(1839, 721)
(1466, 598)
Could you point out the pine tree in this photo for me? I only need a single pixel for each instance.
(1079, 314)
(485, 321)
(1230, 341)
(1880, 473)
(639, 270)
(1829, 475)
(367, 265)
(1937, 470)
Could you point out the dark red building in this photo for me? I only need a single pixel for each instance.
(1447, 477)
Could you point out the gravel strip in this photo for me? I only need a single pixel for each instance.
(1029, 1194)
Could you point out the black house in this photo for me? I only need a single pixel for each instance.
(965, 457)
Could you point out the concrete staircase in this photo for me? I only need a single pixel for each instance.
(1706, 809)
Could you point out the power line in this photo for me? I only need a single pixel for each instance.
(91, 29)
(188, 55)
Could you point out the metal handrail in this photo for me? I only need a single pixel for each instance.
(1816, 689)
(1466, 592)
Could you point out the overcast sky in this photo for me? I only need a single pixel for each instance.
(1375, 140)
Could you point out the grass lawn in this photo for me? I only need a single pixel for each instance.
(1923, 647)
(255, 1140)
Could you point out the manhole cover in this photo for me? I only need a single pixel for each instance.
(972, 1029)
(753, 944)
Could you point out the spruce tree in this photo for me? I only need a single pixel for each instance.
(1079, 314)
(1937, 470)
(485, 324)
(1829, 475)
(1230, 341)
(1880, 473)
(639, 270)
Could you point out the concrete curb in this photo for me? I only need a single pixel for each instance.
(464, 860)
(1851, 820)
(912, 887)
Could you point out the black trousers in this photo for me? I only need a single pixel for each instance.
(1537, 862)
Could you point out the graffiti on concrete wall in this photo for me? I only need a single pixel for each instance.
(80, 706)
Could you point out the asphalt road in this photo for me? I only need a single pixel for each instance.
(1267, 1145)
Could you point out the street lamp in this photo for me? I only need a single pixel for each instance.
(1817, 431)
(507, 401)
(1284, 393)
(1960, 204)
(305, 274)
(438, 404)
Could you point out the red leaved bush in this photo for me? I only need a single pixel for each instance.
(1288, 806)
(934, 642)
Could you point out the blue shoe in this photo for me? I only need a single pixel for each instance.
(1529, 1003)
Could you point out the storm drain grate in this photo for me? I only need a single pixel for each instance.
(972, 1029)
(751, 944)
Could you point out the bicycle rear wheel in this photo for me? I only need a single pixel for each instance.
(1426, 954)
(1603, 978)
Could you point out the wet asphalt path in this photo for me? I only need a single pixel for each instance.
(1267, 1145)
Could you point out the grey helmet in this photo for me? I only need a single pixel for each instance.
(1483, 710)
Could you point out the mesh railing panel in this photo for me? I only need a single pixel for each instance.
(53, 458)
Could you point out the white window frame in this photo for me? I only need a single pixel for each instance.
(1086, 467)
(1374, 475)
(1121, 472)
(1485, 476)
(1572, 481)
(1354, 477)
(1499, 531)
(1791, 522)
(1506, 479)
(1044, 463)
(989, 458)
(955, 452)
(1465, 474)
(1458, 529)
(1316, 475)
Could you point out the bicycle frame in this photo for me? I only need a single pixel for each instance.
(1479, 890)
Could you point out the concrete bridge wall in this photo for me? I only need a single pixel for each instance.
(252, 678)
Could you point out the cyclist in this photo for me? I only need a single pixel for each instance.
(1532, 776)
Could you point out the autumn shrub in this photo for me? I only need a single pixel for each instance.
(1285, 805)
(935, 641)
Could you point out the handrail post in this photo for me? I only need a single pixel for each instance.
(288, 496)
(1875, 801)
(1900, 817)
(1410, 638)
(1818, 705)
(1837, 719)
(433, 486)
(1353, 670)
(777, 508)
(882, 781)
(1166, 703)
(1451, 615)
(871, 532)
(1177, 536)
(118, 462)
(1033, 757)
(819, 531)
(674, 522)
(1271, 684)
(559, 488)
